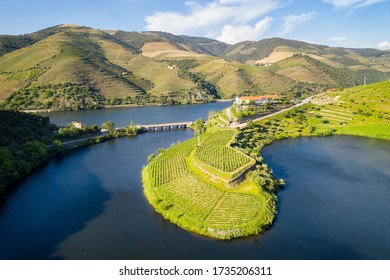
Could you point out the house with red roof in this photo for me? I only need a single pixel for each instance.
(245, 100)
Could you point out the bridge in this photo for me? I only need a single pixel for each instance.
(166, 126)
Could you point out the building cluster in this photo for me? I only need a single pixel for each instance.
(77, 125)
(257, 100)
(172, 67)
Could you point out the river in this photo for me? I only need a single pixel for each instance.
(90, 204)
(139, 115)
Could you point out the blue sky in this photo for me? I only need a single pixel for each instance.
(345, 23)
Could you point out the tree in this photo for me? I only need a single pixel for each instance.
(59, 149)
(151, 157)
(250, 124)
(109, 126)
(8, 168)
(34, 153)
(199, 127)
(131, 129)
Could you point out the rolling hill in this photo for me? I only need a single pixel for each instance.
(70, 67)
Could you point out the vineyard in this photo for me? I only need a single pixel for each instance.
(192, 201)
(167, 169)
(221, 157)
(218, 138)
(196, 203)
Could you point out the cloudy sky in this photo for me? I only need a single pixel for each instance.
(345, 23)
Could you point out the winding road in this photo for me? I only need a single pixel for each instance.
(243, 125)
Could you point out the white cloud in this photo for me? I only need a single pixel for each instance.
(211, 18)
(384, 45)
(292, 21)
(337, 39)
(235, 34)
(344, 4)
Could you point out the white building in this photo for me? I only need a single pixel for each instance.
(245, 100)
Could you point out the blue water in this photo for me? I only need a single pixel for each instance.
(139, 115)
(90, 205)
(335, 204)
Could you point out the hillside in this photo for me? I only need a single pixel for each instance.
(9, 43)
(372, 63)
(360, 111)
(69, 67)
(22, 144)
(82, 68)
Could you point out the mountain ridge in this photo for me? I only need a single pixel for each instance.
(71, 67)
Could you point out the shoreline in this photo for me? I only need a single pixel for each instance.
(122, 106)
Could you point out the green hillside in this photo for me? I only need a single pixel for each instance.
(70, 67)
(82, 68)
(372, 63)
(9, 43)
(360, 111)
(22, 144)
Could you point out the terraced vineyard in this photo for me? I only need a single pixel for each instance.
(167, 169)
(245, 208)
(192, 201)
(223, 158)
(336, 114)
(221, 137)
(196, 203)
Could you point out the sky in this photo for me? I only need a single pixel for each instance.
(337, 23)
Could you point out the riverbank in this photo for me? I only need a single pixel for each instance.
(125, 106)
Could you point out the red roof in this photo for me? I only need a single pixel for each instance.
(254, 98)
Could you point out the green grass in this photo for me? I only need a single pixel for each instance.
(375, 130)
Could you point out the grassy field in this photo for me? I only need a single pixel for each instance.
(185, 195)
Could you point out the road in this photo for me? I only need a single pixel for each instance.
(75, 141)
(229, 114)
(243, 125)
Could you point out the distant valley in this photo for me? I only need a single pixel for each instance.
(69, 67)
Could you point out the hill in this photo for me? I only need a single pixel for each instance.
(372, 63)
(70, 67)
(82, 68)
(9, 43)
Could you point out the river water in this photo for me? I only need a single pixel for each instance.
(139, 115)
(90, 204)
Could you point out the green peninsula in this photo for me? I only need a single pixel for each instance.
(223, 189)
(211, 189)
